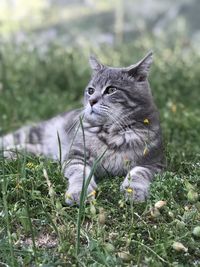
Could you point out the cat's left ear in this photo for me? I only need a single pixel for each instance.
(95, 64)
(140, 70)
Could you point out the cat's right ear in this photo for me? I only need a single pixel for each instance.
(140, 70)
(95, 64)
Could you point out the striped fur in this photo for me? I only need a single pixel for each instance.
(119, 118)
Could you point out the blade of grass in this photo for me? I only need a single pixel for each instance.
(27, 206)
(85, 184)
(81, 207)
(3, 264)
(66, 161)
(151, 250)
(60, 150)
(5, 205)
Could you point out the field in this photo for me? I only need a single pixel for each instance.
(37, 228)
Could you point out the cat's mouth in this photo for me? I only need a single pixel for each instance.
(94, 115)
(93, 111)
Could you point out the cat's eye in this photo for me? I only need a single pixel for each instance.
(90, 91)
(110, 90)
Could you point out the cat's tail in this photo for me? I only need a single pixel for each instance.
(26, 138)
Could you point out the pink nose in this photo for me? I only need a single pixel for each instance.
(92, 101)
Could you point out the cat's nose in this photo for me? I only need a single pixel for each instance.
(93, 101)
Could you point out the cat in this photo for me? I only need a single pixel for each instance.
(119, 119)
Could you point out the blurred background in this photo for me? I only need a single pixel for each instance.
(44, 49)
(98, 21)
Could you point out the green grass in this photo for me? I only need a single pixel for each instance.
(37, 228)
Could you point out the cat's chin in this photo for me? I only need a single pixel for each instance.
(94, 117)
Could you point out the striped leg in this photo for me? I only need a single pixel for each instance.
(74, 172)
(137, 182)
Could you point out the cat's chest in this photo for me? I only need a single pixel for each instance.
(117, 157)
(116, 163)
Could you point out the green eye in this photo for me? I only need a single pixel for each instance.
(90, 91)
(110, 90)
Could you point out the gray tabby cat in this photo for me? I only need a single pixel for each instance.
(119, 119)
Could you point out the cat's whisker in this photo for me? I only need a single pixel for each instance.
(115, 120)
(72, 126)
(75, 122)
(118, 120)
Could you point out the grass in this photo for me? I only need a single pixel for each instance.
(38, 229)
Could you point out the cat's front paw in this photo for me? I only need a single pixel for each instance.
(134, 191)
(73, 195)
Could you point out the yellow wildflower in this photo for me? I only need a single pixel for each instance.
(146, 121)
(30, 165)
(129, 190)
(93, 193)
(18, 186)
(68, 196)
(145, 151)
(173, 108)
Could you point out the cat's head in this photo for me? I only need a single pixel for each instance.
(116, 93)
